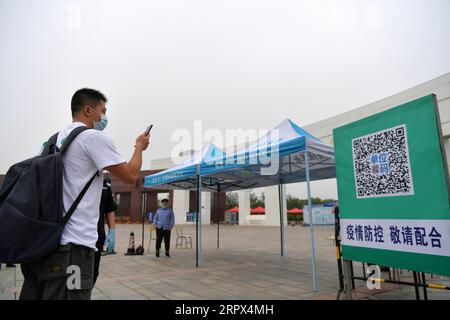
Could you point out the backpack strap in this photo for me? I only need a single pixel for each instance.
(73, 134)
(77, 200)
(50, 145)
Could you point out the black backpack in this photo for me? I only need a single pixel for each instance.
(31, 204)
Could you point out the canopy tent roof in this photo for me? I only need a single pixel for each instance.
(258, 210)
(276, 158)
(329, 204)
(183, 172)
(233, 210)
(295, 211)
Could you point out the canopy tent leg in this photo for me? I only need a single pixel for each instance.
(200, 233)
(144, 210)
(281, 205)
(196, 223)
(218, 210)
(311, 222)
(198, 230)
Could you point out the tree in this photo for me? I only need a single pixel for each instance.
(328, 200)
(256, 201)
(232, 200)
(293, 202)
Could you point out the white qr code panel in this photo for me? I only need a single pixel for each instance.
(381, 164)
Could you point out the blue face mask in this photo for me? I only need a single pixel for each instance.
(100, 125)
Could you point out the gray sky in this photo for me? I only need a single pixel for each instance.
(231, 64)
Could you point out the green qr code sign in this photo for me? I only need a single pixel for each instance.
(392, 187)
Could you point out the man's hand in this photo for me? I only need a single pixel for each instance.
(142, 142)
(129, 172)
(110, 241)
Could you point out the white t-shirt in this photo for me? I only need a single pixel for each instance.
(91, 151)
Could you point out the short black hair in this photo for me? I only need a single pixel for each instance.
(165, 200)
(86, 96)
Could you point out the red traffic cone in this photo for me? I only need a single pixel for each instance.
(131, 249)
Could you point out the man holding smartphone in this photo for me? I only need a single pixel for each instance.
(92, 151)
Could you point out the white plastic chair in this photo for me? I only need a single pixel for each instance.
(152, 236)
(183, 239)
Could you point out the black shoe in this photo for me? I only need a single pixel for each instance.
(167, 254)
(157, 254)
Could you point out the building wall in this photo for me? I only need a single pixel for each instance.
(272, 206)
(180, 205)
(439, 86)
(244, 207)
(213, 205)
(218, 206)
(135, 193)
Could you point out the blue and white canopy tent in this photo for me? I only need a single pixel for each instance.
(277, 158)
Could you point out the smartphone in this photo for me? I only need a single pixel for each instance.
(147, 131)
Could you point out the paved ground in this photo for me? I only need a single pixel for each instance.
(248, 265)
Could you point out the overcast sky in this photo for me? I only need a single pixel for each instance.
(230, 64)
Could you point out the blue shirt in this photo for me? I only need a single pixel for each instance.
(164, 218)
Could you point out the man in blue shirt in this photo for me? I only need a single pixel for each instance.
(164, 220)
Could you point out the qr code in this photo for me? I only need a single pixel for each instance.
(381, 164)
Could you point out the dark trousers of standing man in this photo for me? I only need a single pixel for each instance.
(97, 257)
(67, 274)
(160, 234)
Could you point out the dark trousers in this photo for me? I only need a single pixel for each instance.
(67, 274)
(160, 234)
(97, 256)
